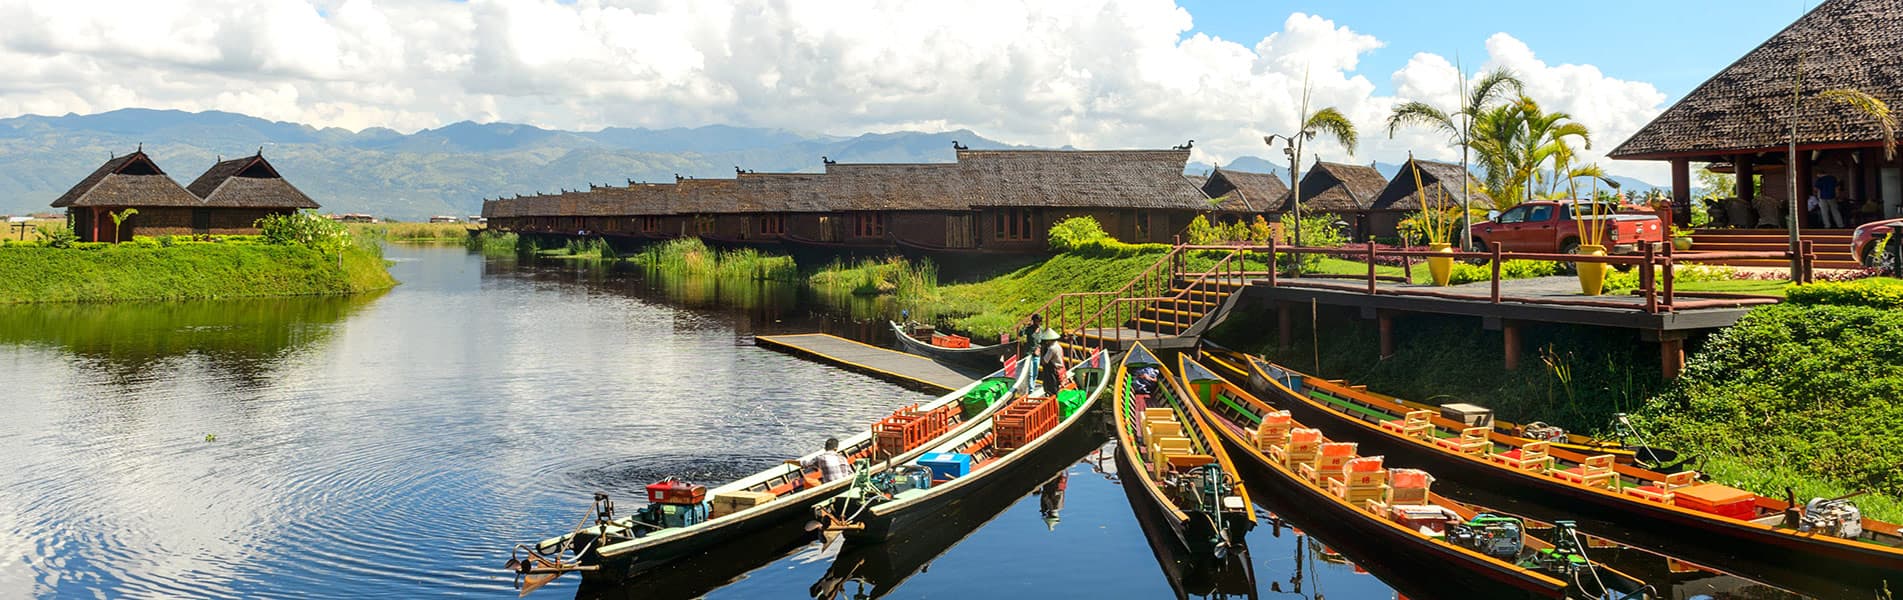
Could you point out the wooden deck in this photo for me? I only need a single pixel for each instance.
(905, 369)
(1533, 300)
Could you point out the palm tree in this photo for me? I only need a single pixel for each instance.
(1872, 107)
(1328, 121)
(119, 221)
(1459, 124)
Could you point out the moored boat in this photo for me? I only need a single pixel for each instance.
(949, 348)
(1391, 513)
(905, 495)
(1169, 461)
(682, 519)
(1824, 548)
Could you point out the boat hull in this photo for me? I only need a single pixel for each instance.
(1014, 479)
(778, 524)
(976, 356)
(1804, 563)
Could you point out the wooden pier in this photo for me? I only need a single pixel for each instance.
(910, 370)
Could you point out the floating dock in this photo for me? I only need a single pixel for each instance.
(905, 369)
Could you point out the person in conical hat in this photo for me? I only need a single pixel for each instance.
(1050, 361)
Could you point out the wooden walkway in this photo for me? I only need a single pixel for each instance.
(906, 369)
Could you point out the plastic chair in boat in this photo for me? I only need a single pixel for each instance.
(1596, 472)
(1273, 432)
(1407, 486)
(1303, 445)
(1661, 492)
(1331, 461)
(1415, 423)
(1472, 440)
(1529, 457)
(1362, 479)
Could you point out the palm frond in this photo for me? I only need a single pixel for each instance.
(1330, 121)
(1872, 107)
(1421, 113)
(1491, 85)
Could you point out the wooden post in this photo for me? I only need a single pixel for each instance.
(1810, 261)
(1646, 285)
(1510, 331)
(1371, 289)
(1667, 274)
(1745, 190)
(1681, 185)
(1671, 355)
(1386, 321)
(1272, 266)
(1494, 249)
(1284, 326)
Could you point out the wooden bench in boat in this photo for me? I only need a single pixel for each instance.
(1472, 440)
(1529, 457)
(1596, 471)
(1664, 491)
(1416, 423)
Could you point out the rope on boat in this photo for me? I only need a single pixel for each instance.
(1590, 565)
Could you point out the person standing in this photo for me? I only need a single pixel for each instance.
(1050, 362)
(1825, 201)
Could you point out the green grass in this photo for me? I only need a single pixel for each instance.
(994, 306)
(494, 243)
(691, 258)
(413, 232)
(125, 272)
(906, 280)
(1735, 286)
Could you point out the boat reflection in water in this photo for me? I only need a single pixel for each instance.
(696, 576)
(873, 570)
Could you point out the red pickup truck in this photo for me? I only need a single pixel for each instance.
(1547, 226)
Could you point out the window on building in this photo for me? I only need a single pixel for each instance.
(1143, 226)
(772, 224)
(1015, 224)
(649, 224)
(704, 225)
(868, 225)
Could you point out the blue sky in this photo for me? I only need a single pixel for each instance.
(1673, 44)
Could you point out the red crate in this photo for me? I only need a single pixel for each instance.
(909, 428)
(675, 491)
(1023, 421)
(944, 340)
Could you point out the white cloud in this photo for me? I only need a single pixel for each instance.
(1089, 73)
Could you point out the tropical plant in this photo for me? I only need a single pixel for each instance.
(304, 228)
(1434, 217)
(1328, 121)
(1872, 107)
(1515, 142)
(119, 221)
(1458, 125)
(56, 236)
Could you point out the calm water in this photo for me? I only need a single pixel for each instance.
(398, 445)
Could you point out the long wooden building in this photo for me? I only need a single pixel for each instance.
(988, 201)
(228, 199)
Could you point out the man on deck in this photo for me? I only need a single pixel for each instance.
(830, 463)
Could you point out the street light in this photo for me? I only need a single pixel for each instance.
(1293, 150)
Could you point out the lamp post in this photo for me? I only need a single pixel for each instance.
(1292, 148)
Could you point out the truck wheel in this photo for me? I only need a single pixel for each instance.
(1882, 257)
(1569, 247)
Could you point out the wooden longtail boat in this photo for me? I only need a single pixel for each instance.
(1671, 514)
(905, 496)
(984, 356)
(618, 547)
(885, 566)
(1170, 461)
(1293, 472)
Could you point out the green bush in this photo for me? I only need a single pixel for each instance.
(144, 241)
(1810, 390)
(305, 228)
(57, 236)
(1618, 282)
(1874, 293)
(1075, 232)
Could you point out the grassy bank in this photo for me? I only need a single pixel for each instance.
(494, 243)
(187, 271)
(907, 280)
(689, 257)
(413, 232)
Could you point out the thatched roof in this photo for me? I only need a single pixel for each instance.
(710, 196)
(783, 192)
(1339, 187)
(920, 186)
(1437, 177)
(130, 180)
(1747, 106)
(1242, 191)
(1079, 178)
(248, 182)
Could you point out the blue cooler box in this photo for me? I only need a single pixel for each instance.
(946, 465)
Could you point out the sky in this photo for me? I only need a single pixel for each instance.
(1085, 73)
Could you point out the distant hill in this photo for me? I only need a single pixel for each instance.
(447, 170)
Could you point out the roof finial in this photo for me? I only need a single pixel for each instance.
(736, 170)
(825, 160)
(677, 178)
(630, 183)
(141, 147)
(958, 146)
(260, 150)
(1185, 146)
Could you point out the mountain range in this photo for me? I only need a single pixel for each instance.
(446, 170)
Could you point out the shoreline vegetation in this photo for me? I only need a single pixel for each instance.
(297, 256)
(414, 232)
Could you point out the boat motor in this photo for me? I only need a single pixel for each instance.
(1542, 432)
(1835, 516)
(1492, 535)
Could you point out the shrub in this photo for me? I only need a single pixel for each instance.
(1874, 293)
(144, 241)
(1318, 231)
(1075, 232)
(1624, 282)
(303, 228)
(57, 236)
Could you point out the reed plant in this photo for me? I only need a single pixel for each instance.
(690, 257)
(494, 243)
(873, 277)
(414, 232)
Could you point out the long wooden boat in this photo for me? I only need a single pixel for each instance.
(885, 566)
(620, 547)
(906, 496)
(985, 356)
(1240, 418)
(1171, 462)
(1671, 514)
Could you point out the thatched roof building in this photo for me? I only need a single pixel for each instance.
(227, 199)
(1398, 199)
(248, 182)
(1743, 114)
(1149, 179)
(1244, 192)
(1339, 187)
(132, 180)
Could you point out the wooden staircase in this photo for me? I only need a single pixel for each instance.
(1168, 306)
(1831, 246)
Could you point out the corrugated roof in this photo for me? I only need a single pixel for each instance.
(1242, 191)
(1339, 187)
(1435, 176)
(1747, 106)
(130, 180)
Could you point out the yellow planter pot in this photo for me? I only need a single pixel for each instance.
(1592, 276)
(1441, 267)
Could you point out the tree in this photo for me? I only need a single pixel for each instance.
(119, 221)
(1871, 107)
(1324, 121)
(1515, 142)
(1459, 124)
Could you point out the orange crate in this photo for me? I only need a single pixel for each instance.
(1023, 421)
(909, 428)
(944, 340)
